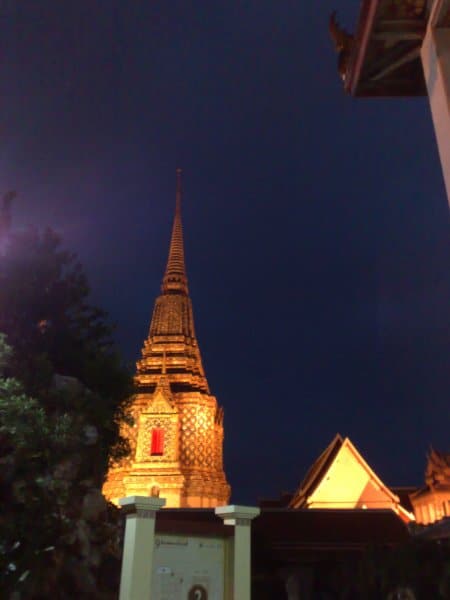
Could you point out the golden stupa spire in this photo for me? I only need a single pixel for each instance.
(172, 343)
(175, 280)
(177, 441)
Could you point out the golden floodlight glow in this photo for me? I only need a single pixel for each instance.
(341, 479)
(176, 442)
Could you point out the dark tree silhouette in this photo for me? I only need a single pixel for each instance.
(63, 392)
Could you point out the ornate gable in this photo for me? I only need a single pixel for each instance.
(342, 479)
(161, 401)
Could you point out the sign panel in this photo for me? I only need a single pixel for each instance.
(188, 568)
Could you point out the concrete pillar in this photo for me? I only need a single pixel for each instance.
(435, 55)
(241, 518)
(137, 559)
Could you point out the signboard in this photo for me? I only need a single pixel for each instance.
(188, 568)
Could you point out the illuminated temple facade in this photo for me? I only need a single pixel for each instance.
(177, 437)
(340, 478)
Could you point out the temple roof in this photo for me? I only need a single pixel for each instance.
(316, 472)
(437, 475)
(438, 469)
(340, 478)
(287, 532)
(382, 57)
(171, 346)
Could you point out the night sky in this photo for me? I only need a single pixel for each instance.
(316, 225)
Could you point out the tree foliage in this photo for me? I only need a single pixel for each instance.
(63, 392)
(49, 322)
(30, 441)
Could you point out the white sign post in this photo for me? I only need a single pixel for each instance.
(137, 560)
(241, 518)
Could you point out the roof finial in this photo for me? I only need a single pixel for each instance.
(179, 191)
(175, 280)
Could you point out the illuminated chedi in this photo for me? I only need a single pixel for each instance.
(177, 437)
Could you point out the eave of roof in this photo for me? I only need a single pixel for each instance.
(324, 528)
(406, 79)
(364, 29)
(295, 529)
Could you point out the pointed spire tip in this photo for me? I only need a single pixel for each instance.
(175, 277)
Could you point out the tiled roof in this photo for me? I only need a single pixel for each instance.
(328, 529)
(292, 529)
(316, 472)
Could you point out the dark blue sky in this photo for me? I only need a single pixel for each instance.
(316, 225)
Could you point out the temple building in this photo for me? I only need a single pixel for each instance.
(432, 502)
(340, 478)
(401, 48)
(177, 437)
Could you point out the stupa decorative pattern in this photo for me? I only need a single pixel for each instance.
(176, 440)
